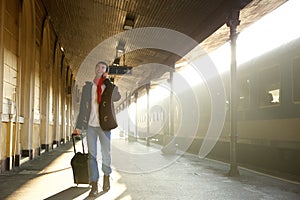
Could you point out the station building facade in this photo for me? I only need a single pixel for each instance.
(35, 84)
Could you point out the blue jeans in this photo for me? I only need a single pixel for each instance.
(92, 134)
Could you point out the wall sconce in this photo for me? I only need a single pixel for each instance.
(120, 50)
(121, 47)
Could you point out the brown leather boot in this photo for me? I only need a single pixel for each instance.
(94, 190)
(106, 185)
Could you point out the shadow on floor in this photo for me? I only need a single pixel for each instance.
(69, 193)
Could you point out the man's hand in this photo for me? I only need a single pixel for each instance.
(76, 132)
(105, 75)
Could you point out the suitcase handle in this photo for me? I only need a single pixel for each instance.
(73, 139)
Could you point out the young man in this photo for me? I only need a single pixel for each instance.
(97, 116)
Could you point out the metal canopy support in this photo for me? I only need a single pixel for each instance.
(171, 105)
(148, 115)
(232, 23)
(169, 143)
(128, 102)
(170, 114)
(136, 96)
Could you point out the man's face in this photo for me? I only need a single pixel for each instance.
(100, 69)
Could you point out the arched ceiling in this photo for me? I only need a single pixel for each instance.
(83, 25)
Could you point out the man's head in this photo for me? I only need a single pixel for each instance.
(101, 68)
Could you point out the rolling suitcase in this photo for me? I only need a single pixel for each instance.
(79, 164)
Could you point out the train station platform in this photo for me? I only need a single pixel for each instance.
(49, 176)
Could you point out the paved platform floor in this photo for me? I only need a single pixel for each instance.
(142, 172)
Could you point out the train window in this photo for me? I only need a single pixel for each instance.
(161, 116)
(270, 86)
(296, 80)
(244, 93)
(155, 117)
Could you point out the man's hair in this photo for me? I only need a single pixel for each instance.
(103, 63)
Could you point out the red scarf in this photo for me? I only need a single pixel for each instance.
(99, 82)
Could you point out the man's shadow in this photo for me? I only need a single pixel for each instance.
(74, 192)
(98, 195)
(69, 193)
